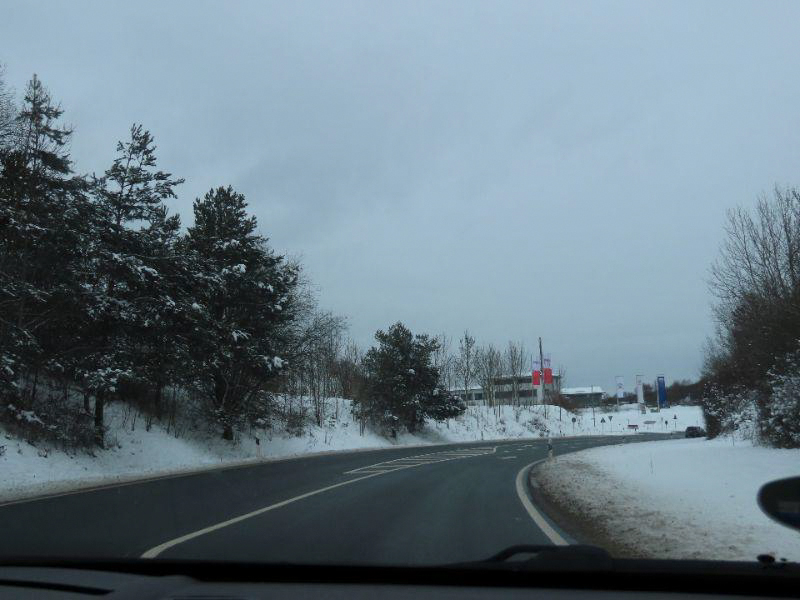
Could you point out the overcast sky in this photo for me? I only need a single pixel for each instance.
(520, 169)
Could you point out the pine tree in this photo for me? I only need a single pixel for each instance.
(242, 292)
(43, 210)
(403, 381)
(127, 292)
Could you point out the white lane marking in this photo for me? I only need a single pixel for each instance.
(410, 462)
(156, 550)
(366, 472)
(506, 457)
(537, 517)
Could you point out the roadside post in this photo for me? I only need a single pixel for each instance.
(541, 378)
(675, 422)
(573, 424)
(549, 448)
(603, 425)
(258, 447)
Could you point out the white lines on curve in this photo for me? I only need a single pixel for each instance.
(156, 550)
(534, 513)
(408, 462)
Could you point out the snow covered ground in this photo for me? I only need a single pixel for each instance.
(481, 423)
(688, 498)
(135, 453)
(27, 470)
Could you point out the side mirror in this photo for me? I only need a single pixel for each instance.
(780, 500)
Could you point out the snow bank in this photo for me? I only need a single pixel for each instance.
(689, 498)
(27, 470)
(480, 422)
(133, 453)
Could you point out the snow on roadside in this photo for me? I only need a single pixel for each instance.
(537, 421)
(27, 470)
(688, 498)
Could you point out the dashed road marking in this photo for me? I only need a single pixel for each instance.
(409, 462)
(366, 472)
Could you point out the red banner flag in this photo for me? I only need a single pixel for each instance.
(548, 376)
(535, 378)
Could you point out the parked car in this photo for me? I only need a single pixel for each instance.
(692, 432)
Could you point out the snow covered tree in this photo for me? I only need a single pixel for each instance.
(780, 417)
(245, 287)
(166, 315)
(42, 230)
(402, 382)
(8, 113)
(127, 297)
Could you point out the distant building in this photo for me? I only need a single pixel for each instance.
(584, 397)
(504, 393)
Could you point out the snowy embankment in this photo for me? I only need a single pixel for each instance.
(480, 422)
(133, 452)
(689, 498)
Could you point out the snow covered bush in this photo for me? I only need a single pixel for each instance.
(771, 418)
(737, 412)
(781, 415)
(51, 419)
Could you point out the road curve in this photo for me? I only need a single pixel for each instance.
(404, 506)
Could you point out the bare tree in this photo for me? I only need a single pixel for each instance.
(320, 362)
(761, 252)
(489, 363)
(349, 371)
(756, 282)
(465, 363)
(444, 362)
(516, 359)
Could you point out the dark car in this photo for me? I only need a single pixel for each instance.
(693, 432)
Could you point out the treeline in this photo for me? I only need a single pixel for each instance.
(104, 296)
(753, 363)
(496, 371)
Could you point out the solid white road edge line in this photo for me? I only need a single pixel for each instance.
(537, 517)
(156, 550)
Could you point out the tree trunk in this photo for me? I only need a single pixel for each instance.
(227, 432)
(157, 409)
(99, 405)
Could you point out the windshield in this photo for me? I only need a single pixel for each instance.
(397, 283)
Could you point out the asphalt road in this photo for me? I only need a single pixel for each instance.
(401, 506)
